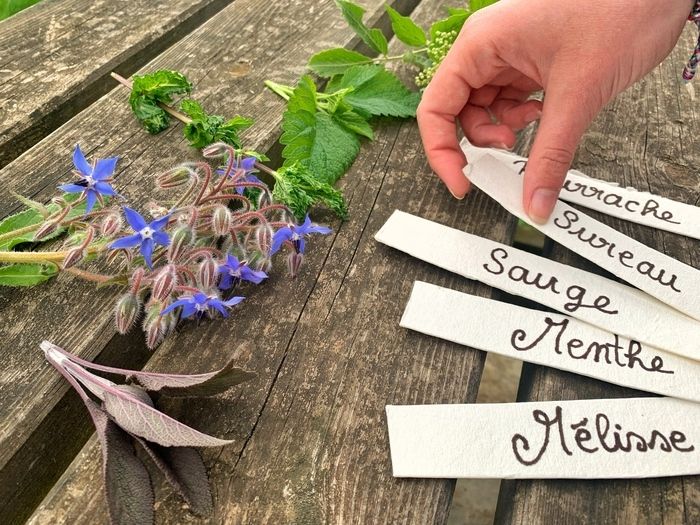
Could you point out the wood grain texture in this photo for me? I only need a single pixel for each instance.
(55, 58)
(310, 443)
(646, 139)
(227, 59)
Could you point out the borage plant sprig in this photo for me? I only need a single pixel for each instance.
(128, 421)
(188, 261)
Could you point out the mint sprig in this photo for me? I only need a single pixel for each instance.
(149, 90)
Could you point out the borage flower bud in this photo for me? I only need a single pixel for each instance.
(263, 238)
(216, 150)
(221, 220)
(154, 325)
(126, 312)
(59, 201)
(183, 237)
(111, 224)
(174, 177)
(165, 282)
(45, 230)
(206, 273)
(264, 200)
(294, 263)
(74, 257)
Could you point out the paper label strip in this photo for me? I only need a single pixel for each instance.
(604, 303)
(625, 203)
(549, 339)
(661, 276)
(600, 438)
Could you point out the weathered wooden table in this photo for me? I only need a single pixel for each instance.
(310, 442)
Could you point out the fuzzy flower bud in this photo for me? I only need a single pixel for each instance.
(206, 273)
(165, 282)
(264, 200)
(154, 325)
(174, 177)
(182, 238)
(221, 220)
(294, 263)
(111, 224)
(74, 257)
(126, 312)
(263, 238)
(45, 230)
(155, 210)
(58, 200)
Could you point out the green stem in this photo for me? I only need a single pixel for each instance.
(89, 276)
(38, 257)
(280, 89)
(19, 231)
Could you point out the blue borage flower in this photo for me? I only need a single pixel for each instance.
(247, 164)
(200, 303)
(94, 180)
(295, 234)
(234, 271)
(146, 236)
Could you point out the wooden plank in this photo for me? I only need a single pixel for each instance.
(228, 73)
(55, 58)
(310, 443)
(645, 139)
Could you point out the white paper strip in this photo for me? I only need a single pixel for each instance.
(549, 339)
(599, 438)
(661, 276)
(625, 203)
(604, 303)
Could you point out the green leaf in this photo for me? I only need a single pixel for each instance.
(406, 29)
(33, 217)
(336, 61)
(454, 22)
(22, 274)
(312, 138)
(354, 122)
(376, 91)
(148, 90)
(475, 5)
(374, 38)
(299, 189)
(207, 129)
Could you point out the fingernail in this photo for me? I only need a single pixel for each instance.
(503, 146)
(457, 196)
(541, 205)
(533, 116)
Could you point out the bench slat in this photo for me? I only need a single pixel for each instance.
(645, 139)
(55, 58)
(227, 58)
(310, 433)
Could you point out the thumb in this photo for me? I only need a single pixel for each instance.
(565, 117)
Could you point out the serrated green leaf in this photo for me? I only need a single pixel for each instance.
(313, 138)
(22, 274)
(376, 91)
(299, 189)
(374, 38)
(354, 122)
(148, 90)
(206, 129)
(336, 61)
(406, 29)
(454, 22)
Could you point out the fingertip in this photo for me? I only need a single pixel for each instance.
(541, 204)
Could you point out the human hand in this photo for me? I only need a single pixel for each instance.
(581, 54)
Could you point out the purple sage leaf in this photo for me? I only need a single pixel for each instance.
(127, 483)
(184, 469)
(200, 385)
(136, 417)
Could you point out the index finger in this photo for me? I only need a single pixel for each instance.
(443, 100)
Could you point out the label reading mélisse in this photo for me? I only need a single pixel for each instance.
(599, 438)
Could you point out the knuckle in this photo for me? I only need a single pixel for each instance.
(554, 160)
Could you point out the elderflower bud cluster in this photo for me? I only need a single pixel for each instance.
(437, 51)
